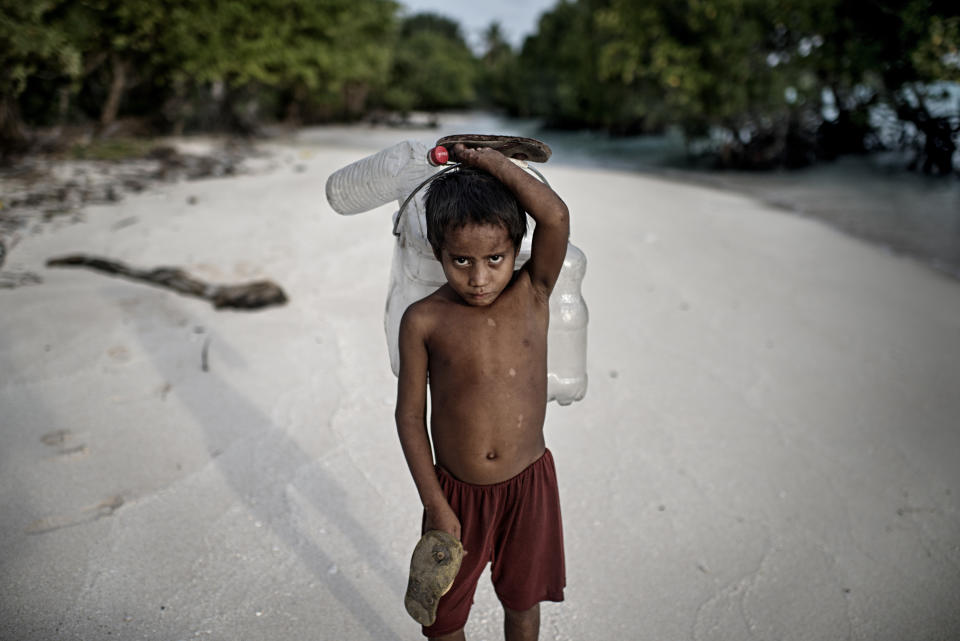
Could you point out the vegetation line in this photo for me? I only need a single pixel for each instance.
(755, 83)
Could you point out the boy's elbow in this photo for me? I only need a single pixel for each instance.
(403, 428)
(408, 421)
(561, 219)
(561, 214)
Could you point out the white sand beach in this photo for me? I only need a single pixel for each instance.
(768, 448)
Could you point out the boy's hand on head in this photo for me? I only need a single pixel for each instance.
(479, 157)
(549, 243)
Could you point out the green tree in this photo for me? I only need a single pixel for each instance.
(433, 68)
(921, 50)
(771, 82)
(329, 52)
(498, 81)
(856, 55)
(29, 45)
(118, 42)
(716, 65)
(173, 58)
(562, 79)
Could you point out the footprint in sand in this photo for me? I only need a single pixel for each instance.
(89, 514)
(79, 451)
(61, 439)
(119, 353)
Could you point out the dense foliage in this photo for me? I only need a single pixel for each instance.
(771, 82)
(189, 62)
(433, 68)
(759, 83)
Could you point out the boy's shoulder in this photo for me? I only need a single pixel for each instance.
(428, 308)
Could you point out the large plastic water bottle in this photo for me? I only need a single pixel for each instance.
(567, 335)
(395, 173)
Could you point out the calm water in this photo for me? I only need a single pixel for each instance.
(872, 198)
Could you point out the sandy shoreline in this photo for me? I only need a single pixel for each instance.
(767, 449)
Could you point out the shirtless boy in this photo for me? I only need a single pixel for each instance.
(482, 338)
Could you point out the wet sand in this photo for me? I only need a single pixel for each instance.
(767, 449)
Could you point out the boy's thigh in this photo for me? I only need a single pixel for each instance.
(529, 565)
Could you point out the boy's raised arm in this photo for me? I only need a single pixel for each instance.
(549, 246)
(411, 420)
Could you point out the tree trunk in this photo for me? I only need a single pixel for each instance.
(14, 137)
(237, 113)
(63, 107)
(938, 146)
(117, 86)
(355, 98)
(174, 109)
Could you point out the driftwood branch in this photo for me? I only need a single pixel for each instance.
(254, 295)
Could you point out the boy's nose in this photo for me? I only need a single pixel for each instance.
(478, 276)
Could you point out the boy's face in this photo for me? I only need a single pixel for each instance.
(478, 262)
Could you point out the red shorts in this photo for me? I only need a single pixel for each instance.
(516, 526)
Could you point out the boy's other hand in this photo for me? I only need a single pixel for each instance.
(443, 518)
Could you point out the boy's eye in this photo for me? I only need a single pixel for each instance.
(460, 261)
(496, 258)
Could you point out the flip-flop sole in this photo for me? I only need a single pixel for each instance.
(511, 146)
(433, 567)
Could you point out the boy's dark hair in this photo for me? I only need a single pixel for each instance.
(470, 196)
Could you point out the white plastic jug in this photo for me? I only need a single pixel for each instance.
(395, 173)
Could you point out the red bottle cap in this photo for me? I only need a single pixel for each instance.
(438, 156)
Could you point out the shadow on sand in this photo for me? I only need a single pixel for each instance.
(236, 431)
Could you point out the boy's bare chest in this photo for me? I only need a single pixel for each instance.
(483, 340)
